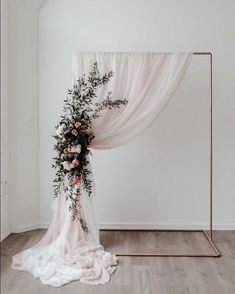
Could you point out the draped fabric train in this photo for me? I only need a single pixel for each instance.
(66, 252)
(147, 81)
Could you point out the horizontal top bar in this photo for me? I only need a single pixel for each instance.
(195, 53)
(202, 53)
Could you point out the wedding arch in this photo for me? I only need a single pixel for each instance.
(70, 249)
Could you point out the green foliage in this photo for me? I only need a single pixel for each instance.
(74, 135)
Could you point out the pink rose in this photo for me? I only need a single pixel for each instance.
(77, 180)
(75, 162)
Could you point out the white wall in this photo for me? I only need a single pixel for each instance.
(23, 113)
(5, 193)
(161, 178)
(172, 154)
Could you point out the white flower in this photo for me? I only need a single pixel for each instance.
(60, 129)
(67, 165)
(63, 156)
(76, 149)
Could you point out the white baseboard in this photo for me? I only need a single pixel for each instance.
(4, 234)
(134, 226)
(44, 225)
(25, 228)
(225, 227)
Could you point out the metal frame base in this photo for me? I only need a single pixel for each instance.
(207, 236)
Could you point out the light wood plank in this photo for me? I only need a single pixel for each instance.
(139, 275)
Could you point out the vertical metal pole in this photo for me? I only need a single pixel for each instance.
(211, 149)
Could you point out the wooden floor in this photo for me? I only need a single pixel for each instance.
(138, 275)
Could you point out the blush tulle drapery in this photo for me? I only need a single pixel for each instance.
(147, 81)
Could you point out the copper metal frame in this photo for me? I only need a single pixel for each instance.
(207, 235)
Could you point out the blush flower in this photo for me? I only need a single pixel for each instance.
(66, 151)
(77, 125)
(75, 163)
(77, 180)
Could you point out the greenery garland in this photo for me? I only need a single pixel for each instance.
(74, 135)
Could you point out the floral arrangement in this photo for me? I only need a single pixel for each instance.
(74, 135)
